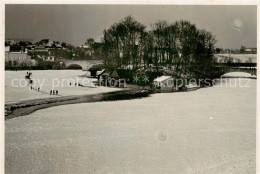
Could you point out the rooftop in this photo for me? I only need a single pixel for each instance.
(162, 78)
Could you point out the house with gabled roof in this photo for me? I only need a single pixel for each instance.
(163, 84)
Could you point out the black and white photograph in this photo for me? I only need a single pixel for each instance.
(129, 88)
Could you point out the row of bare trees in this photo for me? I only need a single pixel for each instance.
(181, 47)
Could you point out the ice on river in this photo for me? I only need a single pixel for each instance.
(210, 130)
(17, 88)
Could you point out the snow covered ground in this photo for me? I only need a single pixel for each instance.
(239, 74)
(17, 89)
(210, 130)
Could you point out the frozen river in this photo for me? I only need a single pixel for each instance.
(17, 89)
(211, 130)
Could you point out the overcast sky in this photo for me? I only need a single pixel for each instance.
(233, 26)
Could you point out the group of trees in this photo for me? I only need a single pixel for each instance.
(180, 47)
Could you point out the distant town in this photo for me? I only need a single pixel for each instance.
(45, 54)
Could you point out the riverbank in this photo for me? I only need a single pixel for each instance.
(23, 108)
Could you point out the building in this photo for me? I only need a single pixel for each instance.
(250, 50)
(163, 84)
(103, 77)
(118, 79)
(84, 46)
(47, 58)
(7, 49)
(56, 46)
(10, 42)
(87, 49)
(113, 78)
(46, 44)
(18, 58)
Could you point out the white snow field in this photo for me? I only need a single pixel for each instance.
(17, 89)
(239, 74)
(210, 130)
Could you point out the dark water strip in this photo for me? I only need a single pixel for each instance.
(27, 107)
